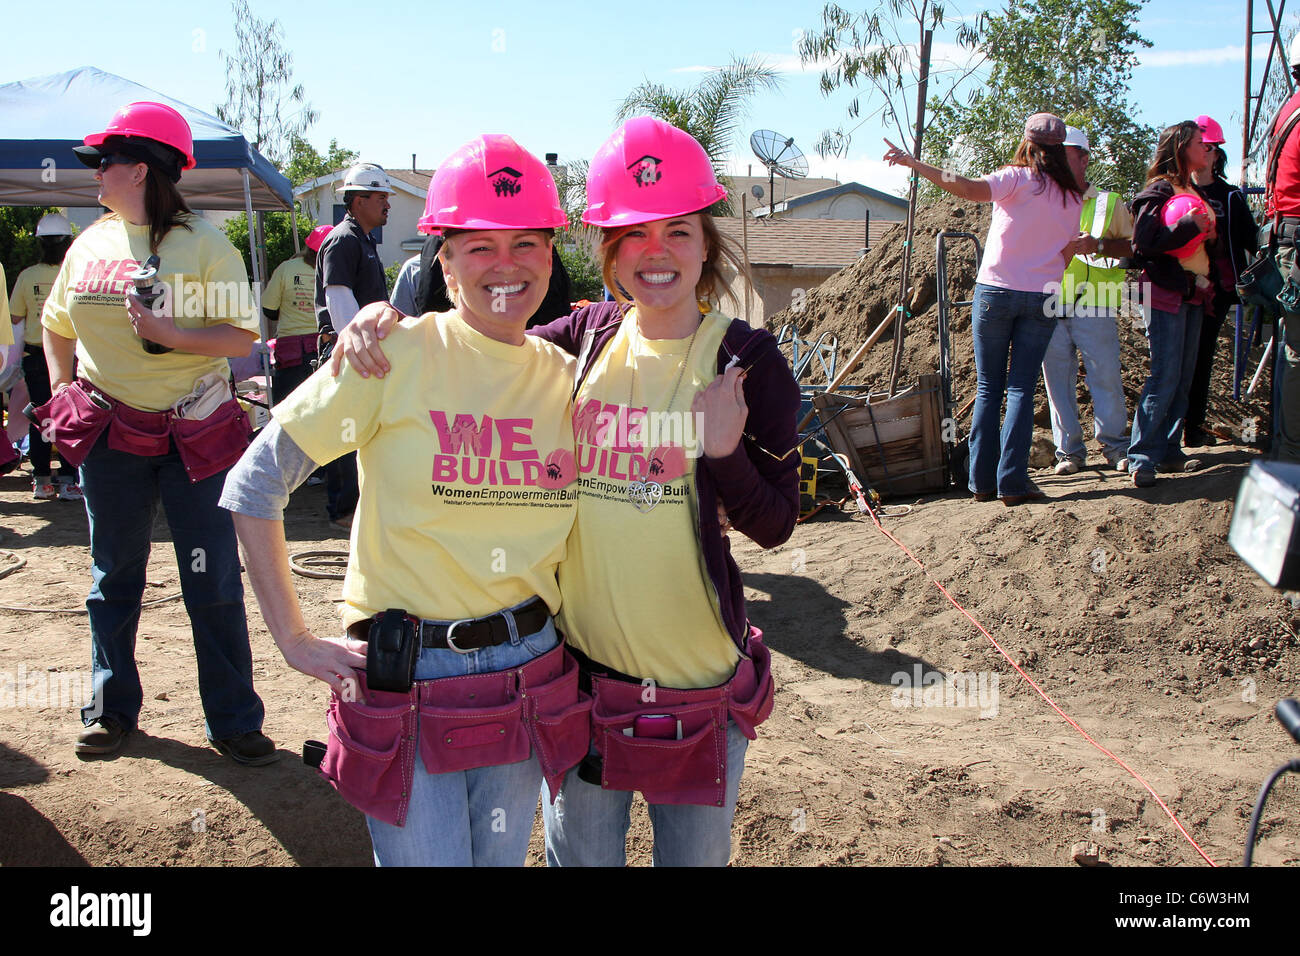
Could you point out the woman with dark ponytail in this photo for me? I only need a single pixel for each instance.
(149, 417)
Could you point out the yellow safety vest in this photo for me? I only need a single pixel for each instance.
(1095, 281)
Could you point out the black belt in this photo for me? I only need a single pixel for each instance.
(471, 634)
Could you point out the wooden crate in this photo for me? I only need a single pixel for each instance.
(892, 444)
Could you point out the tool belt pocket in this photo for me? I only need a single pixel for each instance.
(558, 714)
(290, 351)
(456, 738)
(752, 691)
(689, 770)
(74, 421)
(210, 445)
(139, 433)
(369, 758)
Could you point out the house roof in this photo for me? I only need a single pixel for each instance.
(784, 189)
(802, 243)
(821, 195)
(415, 182)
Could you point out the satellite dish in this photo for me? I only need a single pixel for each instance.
(780, 155)
(756, 191)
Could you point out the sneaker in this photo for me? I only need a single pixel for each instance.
(253, 749)
(69, 490)
(1121, 466)
(104, 736)
(1067, 466)
(1144, 479)
(43, 489)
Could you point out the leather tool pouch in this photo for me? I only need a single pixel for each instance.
(391, 652)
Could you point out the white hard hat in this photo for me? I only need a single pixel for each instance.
(1076, 137)
(1294, 51)
(53, 224)
(365, 178)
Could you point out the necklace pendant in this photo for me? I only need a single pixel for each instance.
(644, 494)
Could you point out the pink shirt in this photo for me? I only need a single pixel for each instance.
(1028, 231)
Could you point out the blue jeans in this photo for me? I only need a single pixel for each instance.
(122, 492)
(1096, 338)
(1174, 338)
(1005, 322)
(587, 825)
(481, 817)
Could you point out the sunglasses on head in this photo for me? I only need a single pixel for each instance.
(115, 159)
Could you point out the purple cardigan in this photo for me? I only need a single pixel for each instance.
(759, 491)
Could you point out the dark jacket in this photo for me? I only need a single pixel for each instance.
(1152, 240)
(759, 491)
(1238, 235)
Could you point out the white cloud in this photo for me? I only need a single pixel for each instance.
(1213, 56)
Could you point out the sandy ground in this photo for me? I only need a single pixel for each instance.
(1128, 609)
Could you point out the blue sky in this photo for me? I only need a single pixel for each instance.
(390, 79)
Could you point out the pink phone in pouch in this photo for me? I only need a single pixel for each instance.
(658, 726)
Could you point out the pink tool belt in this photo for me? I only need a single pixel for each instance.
(692, 769)
(453, 724)
(80, 413)
(290, 351)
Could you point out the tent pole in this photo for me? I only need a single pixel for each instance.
(262, 323)
(293, 218)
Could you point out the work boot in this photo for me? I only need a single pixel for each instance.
(253, 749)
(104, 736)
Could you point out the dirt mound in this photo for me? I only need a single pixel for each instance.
(851, 303)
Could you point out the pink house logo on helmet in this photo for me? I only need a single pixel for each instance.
(506, 181)
(645, 171)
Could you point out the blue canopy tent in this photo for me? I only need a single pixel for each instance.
(43, 118)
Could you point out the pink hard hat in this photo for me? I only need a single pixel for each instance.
(492, 183)
(649, 170)
(133, 126)
(1211, 132)
(317, 236)
(1177, 207)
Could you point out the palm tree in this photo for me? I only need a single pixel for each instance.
(711, 111)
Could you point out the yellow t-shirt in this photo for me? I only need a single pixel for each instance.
(464, 451)
(6, 326)
(30, 292)
(292, 291)
(636, 594)
(208, 286)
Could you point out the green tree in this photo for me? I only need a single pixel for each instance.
(304, 164)
(1074, 58)
(711, 111)
(585, 281)
(262, 100)
(876, 51)
(18, 246)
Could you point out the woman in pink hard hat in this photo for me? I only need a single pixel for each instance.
(1171, 224)
(453, 696)
(1238, 239)
(289, 304)
(684, 424)
(133, 418)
